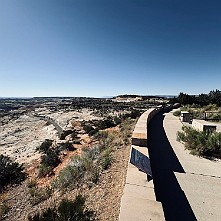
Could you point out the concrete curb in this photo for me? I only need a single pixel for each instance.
(139, 201)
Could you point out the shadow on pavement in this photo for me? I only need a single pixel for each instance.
(164, 163)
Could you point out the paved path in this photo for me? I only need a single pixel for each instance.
(189, 187)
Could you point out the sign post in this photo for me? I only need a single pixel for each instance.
(141, 161)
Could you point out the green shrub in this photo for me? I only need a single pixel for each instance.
(134, 114)
(93, 132)
(74, 135)
(71, 175)
(177, 113)
(87, 128)
(106, 159)
(65, 146)
(10, 172)
(44, 170)
(45, 146)
(51, 158)
(38, 194)
(76, 141)
(94, 173)
(66, 211)
(117, 120)
(48, 161)
(202, 143)
(88, 167)
(101, 135)
(180, 136)
(106, 123)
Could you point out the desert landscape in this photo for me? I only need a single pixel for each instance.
(51, 137)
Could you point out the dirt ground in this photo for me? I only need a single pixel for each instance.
(103, 198)
(20, 138)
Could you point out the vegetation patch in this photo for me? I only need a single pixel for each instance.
(87, 167)
(213, 97)
(202, 143)
(10, 172)
(38, 194)
(177, 113)
(213, 112)
(50, 158)
(45, 146)
(49, 161)
(66, 211)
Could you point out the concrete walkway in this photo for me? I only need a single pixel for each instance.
(188, 187)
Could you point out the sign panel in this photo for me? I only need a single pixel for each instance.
(140, 161)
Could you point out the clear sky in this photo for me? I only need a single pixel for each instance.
(109, 47)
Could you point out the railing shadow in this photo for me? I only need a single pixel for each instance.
(164, 163)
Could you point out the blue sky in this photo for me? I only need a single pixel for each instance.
(109, 47)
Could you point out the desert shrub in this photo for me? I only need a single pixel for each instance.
(74, 134)
(90, 159)
(93, 132)
(177, 113)
(87, 128)
(94, 173)
(106, 159)
(106, 123)
(126, 130)
(38, 194)
(84, 168)
(210, 107)
(65, 146)
(134, 114)
(117, 120)
(65, 133)
(76, 141)
(10, 172)
(101, 135)
(48, 161)
(45, 146)
(71, 175)
(66, 211)
(44, 170)
(89, 155)
(51, 158)
(87, 167)
(32, 183)
(202, 143)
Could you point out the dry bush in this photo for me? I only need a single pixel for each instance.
(38, 194)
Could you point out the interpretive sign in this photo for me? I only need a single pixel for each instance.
(140, 161)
